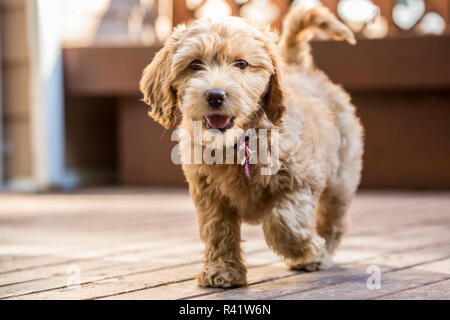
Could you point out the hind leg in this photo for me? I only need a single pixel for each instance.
(290, 231)
(331, 216)
(337, 196)
(335, 200)
(341, 187)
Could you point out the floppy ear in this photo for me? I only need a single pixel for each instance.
(156, 86)
(274, 100)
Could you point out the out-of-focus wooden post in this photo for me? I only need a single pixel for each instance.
(46, 96)
(386, 7)
(439, 6)
(283, 6)
(331, 4)
(1, 110)
(180, 12)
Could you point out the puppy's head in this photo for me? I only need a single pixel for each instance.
(223, 73)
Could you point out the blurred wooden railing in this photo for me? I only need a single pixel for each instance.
(400, 85)
(181, 13)
(131, 22)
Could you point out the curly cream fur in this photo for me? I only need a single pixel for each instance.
(302, 207)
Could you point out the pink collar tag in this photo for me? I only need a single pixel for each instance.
(246, 161)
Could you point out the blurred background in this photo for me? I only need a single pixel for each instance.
(71, 115)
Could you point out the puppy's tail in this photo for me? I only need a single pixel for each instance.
(297, 27)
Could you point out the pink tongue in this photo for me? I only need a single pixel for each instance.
(218, 121)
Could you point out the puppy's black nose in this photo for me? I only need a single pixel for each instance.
(215, 97)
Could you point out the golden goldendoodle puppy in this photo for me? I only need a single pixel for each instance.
(229, 76)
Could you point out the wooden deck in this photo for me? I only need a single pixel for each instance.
(143, 244)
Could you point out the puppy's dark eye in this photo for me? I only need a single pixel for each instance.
(241, 64)
(196, 65)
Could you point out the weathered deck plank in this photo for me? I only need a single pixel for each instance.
(143, 244)
(319, 283)
(438, 290)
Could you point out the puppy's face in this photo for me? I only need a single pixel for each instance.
(223, 74)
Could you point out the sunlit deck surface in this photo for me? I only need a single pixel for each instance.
(144, 244)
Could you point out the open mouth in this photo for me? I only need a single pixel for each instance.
(220, 122)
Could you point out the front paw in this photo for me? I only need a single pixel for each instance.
(222, 276)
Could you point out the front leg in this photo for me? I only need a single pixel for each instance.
(290, 231)
(220, 231)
